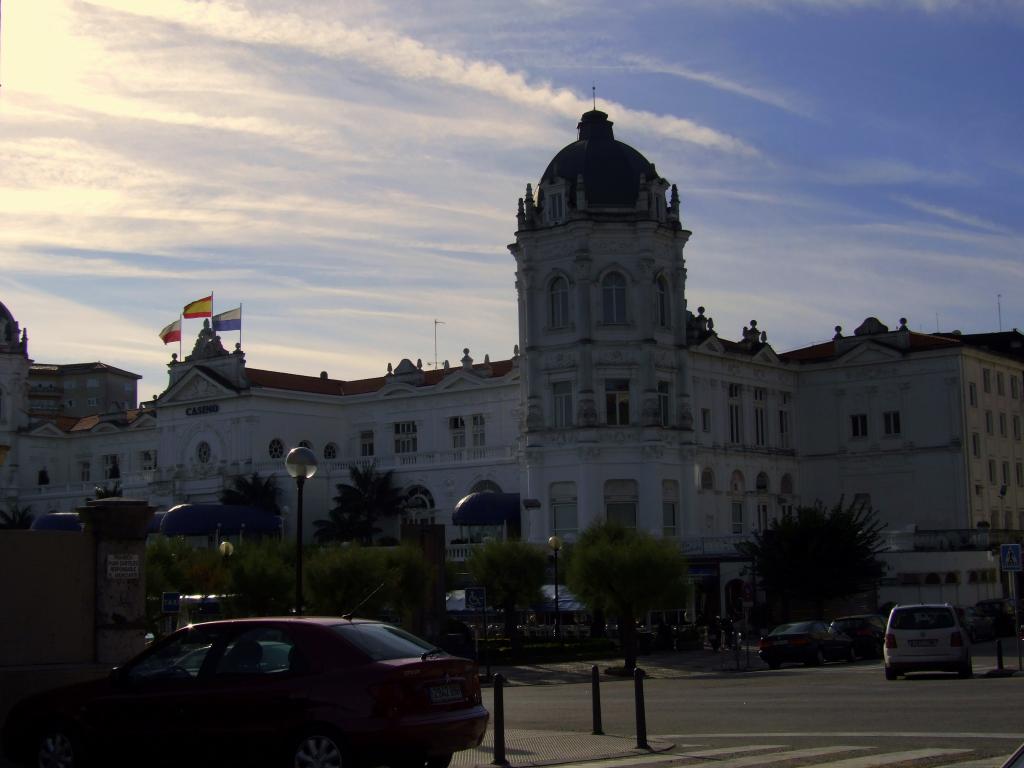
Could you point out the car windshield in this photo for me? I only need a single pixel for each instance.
(383, 641)
(922, 618)
(793, 629)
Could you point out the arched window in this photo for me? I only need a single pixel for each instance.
(559, 303)
(661, 306)
(419, 506)
(707, 479)
(613, 298)
(203, 452)
(275, 449)
(762, 482)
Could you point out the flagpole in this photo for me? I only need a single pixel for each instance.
(181, 321)
(240, 325)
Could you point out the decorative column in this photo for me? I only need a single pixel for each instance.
(118, 529)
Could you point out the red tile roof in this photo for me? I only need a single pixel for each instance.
(316, 385)
(820, 353)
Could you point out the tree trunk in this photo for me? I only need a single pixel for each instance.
(627, 633)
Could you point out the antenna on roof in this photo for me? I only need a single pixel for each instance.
(348, 616)
(436, 323)
(593, 89)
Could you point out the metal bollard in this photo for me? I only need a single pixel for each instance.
(595, 687)
(499, 721)
(999, 654)
(641, 715)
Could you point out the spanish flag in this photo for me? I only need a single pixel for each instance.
(172, 332)
(199, 308)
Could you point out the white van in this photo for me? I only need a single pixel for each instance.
(926, 637)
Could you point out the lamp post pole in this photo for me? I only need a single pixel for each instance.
(556, 544)
(301, 464)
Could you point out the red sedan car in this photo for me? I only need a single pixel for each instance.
(316, 692)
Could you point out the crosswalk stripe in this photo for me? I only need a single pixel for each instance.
(778, 757)
(870, 761)
(726, 750)
(984, 762)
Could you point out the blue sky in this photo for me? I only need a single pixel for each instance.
(349, 171)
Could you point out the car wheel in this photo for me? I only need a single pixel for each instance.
(966, 670)
(850, 655)
(57, 748)
(817, 659)
(319, 749)
(774, 664)
(890, 673)
(440, 761)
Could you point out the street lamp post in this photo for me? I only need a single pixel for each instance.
(556, 544)
(301, 464)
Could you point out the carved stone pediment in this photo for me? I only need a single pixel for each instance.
(194, 386)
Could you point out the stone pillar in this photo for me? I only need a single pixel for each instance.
(118, 530)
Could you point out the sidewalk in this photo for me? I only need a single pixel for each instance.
(525, 748)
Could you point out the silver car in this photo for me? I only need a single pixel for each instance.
(926, 638)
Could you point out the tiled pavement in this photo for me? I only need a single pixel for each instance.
(525, 748)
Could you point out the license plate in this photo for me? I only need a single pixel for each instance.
(922, 643)
(442, 694)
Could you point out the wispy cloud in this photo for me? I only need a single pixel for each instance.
(957, 217)
(787, 103)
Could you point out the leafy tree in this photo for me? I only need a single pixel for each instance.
(626, 573)
(369, 497)
(817, 554)
(262, 578)
(166, 560)
(369, 581)
(16, 517)
(512, 572)
(260, 492)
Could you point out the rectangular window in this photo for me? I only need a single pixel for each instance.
(972, 393)
(84, 471)
(663, 403)
(479, 431)
(1016, 427)
(620, 500)
(762, 517)
(92, 401)
(976, 445)
(858, 425)
(668, 519)
(92, 383)
(1000, 383)
(366, 443)
(760, 394)
(759, 430)
(1020, 474)
(735, 390)
(562, 394)
(405, 437)
(988, 422)
(111, 467)
(986, 380)
(991, 472)
(705, 419)
(1014, 387)
(616, 400)
(1002, 425)
(147, 460)
(737, 517)
(1006, 473)
(891, 422)
(563, 509)
(555, 207)
(735, 423)
(784, 429)
(457, 430)
(621, 512)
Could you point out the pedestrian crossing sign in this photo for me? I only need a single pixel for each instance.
(1009, 557)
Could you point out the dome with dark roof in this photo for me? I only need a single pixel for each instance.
(610, 169)
(9, 335)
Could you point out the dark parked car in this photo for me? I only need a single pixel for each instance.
(867, 632)
(1000, 610)
(810, 642)
(979, 626)
(281, 692)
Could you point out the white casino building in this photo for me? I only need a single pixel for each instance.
(618, 403)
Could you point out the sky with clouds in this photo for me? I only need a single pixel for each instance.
(349, 172)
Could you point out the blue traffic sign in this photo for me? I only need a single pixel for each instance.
(171, 602)
(1009, 557)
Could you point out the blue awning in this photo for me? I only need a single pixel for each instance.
(207, 519)
(487, 509)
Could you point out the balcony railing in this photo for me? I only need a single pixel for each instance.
(490, 454)
(713, 545)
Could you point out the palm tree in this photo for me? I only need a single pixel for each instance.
(370, 496)
(255, 491)
(16, 517)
